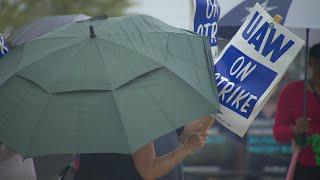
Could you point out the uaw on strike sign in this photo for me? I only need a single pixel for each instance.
(205, 21)
(250, 66)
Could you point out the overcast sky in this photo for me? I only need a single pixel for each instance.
(174, 12)
(177, 13)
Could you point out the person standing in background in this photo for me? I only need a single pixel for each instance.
(290, 121)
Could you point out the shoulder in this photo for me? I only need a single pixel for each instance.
(294, 86)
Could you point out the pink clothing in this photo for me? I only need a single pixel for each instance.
(294, 159)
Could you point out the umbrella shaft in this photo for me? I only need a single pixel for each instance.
(306, 75)
(303, 137)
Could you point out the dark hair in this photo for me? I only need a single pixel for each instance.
(315, 51)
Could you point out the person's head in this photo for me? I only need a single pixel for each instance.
(314, 61)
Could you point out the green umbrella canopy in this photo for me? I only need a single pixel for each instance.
(132, 80)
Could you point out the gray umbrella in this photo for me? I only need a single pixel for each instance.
(42, 26)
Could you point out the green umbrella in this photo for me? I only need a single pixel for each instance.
(104, 85)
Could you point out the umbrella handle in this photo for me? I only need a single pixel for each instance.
(207, 122)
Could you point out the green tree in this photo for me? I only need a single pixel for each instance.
(16, 13)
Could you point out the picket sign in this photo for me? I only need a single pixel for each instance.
(3, 47)
(204, 21)
(208, 122)
(250, 66)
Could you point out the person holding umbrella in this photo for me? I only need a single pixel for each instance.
(141, 165)
(290, 121)
(108, 89)
(162, 145)
(169, 142)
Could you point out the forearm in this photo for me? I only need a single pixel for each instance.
(164, 164)
(151, 167)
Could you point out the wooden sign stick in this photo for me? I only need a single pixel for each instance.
(207, 122)
(277, 18)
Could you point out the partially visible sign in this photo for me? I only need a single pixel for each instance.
(205, 21)
(250, 66)
(3, 47)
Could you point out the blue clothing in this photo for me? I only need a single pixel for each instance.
(164, 145)
(107, 166)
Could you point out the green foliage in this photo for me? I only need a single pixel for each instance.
(16, 13)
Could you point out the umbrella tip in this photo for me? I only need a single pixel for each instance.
(92, 34)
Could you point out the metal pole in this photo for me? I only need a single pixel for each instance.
(303, 137)
(306, 75)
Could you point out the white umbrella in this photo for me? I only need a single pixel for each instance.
(303, 14)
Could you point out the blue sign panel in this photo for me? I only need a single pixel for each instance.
(3, 47)
(205, 20)
(241, 81)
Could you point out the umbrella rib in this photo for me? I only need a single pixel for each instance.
(197, 75)
(132, 50)
(34, 127)
(44, 37)
(26, 28)
(151, 59)
(19, 66)
(63, 46)
(15, 107)
(33, 82)
(104, 65)
(114, 100)
(137, 52)
(34, 61)
(117, 109)
(161, 109)
(80, 35)
(198, 92)
(74, 53)
(178, 33)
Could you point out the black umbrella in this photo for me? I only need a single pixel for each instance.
(42, 26)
